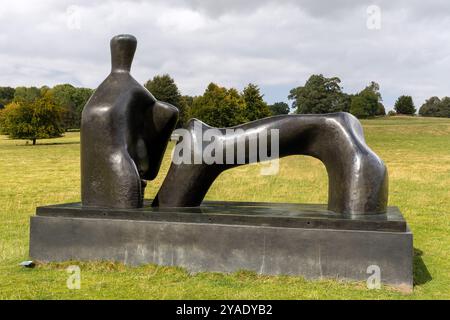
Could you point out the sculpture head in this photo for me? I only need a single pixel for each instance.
(123, 47)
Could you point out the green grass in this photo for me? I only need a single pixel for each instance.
(416, 151)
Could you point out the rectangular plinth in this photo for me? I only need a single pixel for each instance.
(291, 215)
(267, 238)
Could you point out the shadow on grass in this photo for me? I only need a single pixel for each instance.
(47, 144)
(421, 273)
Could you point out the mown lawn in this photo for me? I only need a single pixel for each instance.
(416, 151)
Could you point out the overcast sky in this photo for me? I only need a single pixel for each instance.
(402, 45)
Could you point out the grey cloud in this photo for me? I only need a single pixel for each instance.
(221, 7)
(276, 44)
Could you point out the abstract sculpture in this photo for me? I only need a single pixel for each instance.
(358, 181)
(125, 131)
(124, 134)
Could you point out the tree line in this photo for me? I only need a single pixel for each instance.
(435, 107)
(222, 107)
(37, 113)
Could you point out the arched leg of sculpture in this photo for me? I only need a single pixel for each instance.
(358, 181)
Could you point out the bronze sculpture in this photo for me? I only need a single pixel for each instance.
(124, 134)
(358, 181)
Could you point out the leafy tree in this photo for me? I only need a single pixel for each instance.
(40, 119)
(392, 113)
(3, 121)
(26, 95)
(219, 107)
(358, 107)
(79, 98)
(164, 88)
(62, 97)
(435, 107)
(444, 108)
(319, 95)
(71, 100)
(279, 108)
(255, 106)
(367, 102)
(405, 105)
(431, 107)
(22, 95)
(381, 111)
(185, 110)
(43, 90)
(6, 95)
(345, 102)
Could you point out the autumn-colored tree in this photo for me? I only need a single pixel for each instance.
(40, 119)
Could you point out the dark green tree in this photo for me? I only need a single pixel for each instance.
(279, 108)
(444, 108)
(79, 98)
(40, 119)
(62, 97)
(255, 106)
(367, 102)
(358, 107)
(319, 95)
(405, 105)
(185, 110)
(431, 107)
(381, 111)
(164, 88)
(219, 107)
(6, 95)
(71, 100)
(345, 102)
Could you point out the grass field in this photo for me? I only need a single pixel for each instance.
(416, 151)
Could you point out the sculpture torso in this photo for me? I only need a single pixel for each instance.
(124, 133)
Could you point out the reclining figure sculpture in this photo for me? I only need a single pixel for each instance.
(125, 132)
(124, 135)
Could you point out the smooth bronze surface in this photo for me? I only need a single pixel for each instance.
(124, 134)
(358, 180)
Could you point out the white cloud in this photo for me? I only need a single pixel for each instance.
(276, 44)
